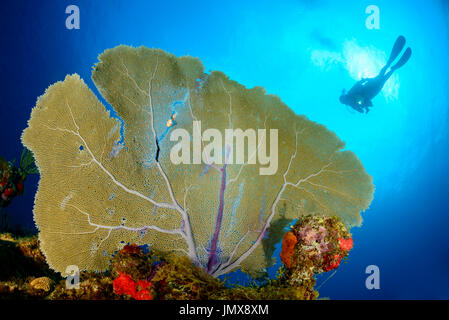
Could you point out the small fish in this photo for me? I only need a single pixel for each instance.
(171, 121)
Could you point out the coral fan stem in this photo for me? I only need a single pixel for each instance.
(230, 266)
(213, 248)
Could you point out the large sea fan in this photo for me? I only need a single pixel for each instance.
(100, 190)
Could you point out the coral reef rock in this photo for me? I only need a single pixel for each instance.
(315, 244)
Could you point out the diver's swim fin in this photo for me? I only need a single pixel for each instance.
(397, 48)
(403, 60)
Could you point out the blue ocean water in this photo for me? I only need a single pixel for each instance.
(306, 52)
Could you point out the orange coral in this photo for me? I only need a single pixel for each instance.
(346, 244)
(332, 262)
(288, 245)
(124, 284)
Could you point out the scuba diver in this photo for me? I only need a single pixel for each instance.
(360, 95)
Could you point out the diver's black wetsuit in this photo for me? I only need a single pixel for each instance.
(360, 95)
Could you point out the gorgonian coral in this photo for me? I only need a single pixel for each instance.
(106, 181)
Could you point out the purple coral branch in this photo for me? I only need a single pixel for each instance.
(213, 247)
(214, 242)
(228, 266)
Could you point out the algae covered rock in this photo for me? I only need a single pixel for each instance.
(140, 275)
(174, 277)
(21, 258)
(24, 273)
(191, 163)
(315, 244)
